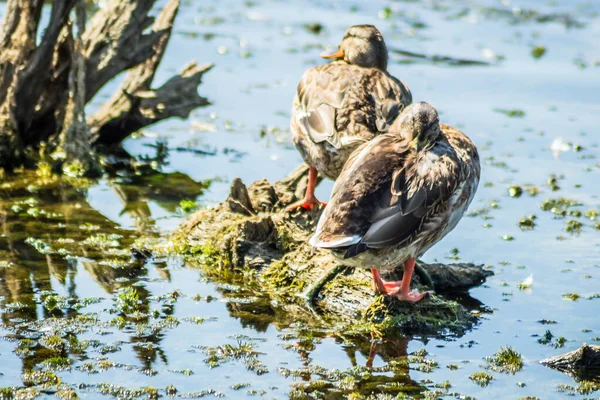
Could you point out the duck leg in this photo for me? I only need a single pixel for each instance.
(309, 200)
(404, 292)
(381, 286)
(400, 290)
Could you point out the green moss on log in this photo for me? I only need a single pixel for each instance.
(250, 241)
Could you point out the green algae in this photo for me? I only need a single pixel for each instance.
(591, 214)
(358, 382)
(195, 320)
(538, 52)
(506, 360)
(56, 364)
(583, 387)
(67, 230)
(525, 284)
(519, 16)
(512, 113)
(314, 28)
(188, 206)
(124, 393)
(282, 280)
(41, 379)
(527, 222)
(241, 385)
(571, 296)
(6, 393)
(213, 253)
(546, 338)
(127, 300)
(244, 351)
(532, 190)
(561, 206)
(573, 226)
(515, 191)
(481, 378)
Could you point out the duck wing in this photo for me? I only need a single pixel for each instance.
(321, 92)
(385, 194)
(390, 96)
(341, 103)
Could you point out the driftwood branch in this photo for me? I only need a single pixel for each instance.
(113, 41)
(578, 363)
(26, 71)
(135, 105)
(75, 140)
(34, 77)
(18, 39)
(50, 112)
(133, 111)
(252, 230)
(44, 87)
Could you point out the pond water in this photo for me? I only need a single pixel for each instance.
(521, 78)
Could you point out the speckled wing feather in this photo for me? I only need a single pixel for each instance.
(385, 193)
(391, 96)
(339, 103)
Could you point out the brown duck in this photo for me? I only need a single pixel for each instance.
(398, 195)
(341, 105)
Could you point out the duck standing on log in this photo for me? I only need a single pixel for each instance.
(341, 105)
(398, 195)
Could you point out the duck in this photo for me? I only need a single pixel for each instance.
(343, 104)
(398, 195)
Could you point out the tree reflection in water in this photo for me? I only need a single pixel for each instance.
(52, 240)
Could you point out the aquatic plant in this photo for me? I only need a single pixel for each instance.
(481, 378)
(506, 360)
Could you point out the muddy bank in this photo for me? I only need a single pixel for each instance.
(252, 234)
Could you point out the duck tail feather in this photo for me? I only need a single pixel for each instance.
(329, 241)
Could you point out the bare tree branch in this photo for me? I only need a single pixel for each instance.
(35, 75)
(113, 41)
(176, 98)
(44, 87)
(135, 105)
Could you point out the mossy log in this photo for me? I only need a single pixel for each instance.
(581, 363)
(44, 86)
(252, 231)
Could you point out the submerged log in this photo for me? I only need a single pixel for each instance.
(252, 231)
(581, 363)
(43, 86)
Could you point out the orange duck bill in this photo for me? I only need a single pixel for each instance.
(333, 56)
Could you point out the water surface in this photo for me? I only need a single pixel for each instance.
(64, 288)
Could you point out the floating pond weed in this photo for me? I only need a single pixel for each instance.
(506, 360)
(481, 378)
(127, 300)
(572, 296)
(527, 222)
(87, 313)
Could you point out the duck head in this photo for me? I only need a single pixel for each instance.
(418, 124)
(364, 46)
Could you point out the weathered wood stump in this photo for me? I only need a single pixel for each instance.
(252, 233)
(44, 86)
(581, 363)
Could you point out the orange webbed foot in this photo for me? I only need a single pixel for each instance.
(307, 204)
(413, 296)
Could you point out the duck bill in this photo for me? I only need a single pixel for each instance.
(334, 56)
